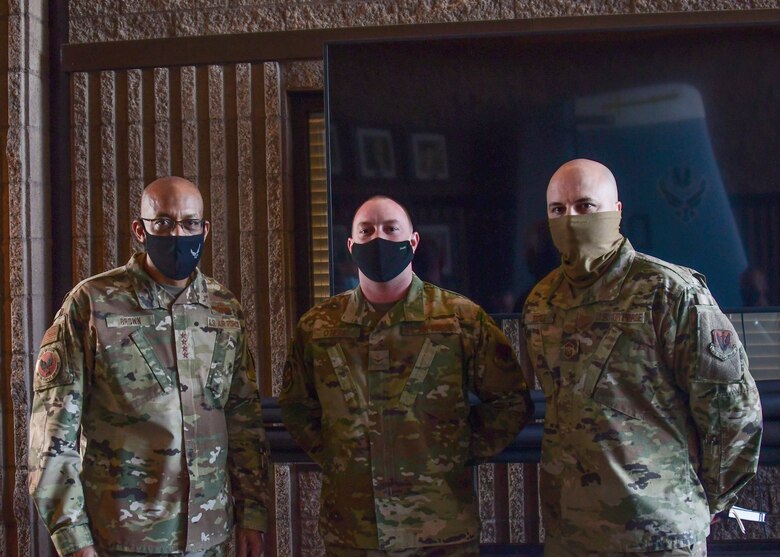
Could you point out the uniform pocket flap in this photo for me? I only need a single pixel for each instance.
(159, 372)
(437, 326)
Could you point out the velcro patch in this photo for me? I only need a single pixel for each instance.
(52, 334)
(723, 344)
(538, 318)
(336, 332)
(448, 327)
(224, 323)
(114, 321)
(620, 317)
(48, 366)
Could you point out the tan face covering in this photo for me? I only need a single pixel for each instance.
(587, 244)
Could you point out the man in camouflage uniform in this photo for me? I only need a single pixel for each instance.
(150, 362)
(376, 391)
(653, 422)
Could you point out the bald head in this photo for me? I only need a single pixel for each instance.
(582, 186)
(171, 194)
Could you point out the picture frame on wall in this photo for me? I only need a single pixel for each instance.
(375, 153)
(429, 151)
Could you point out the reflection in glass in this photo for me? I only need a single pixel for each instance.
(760, 334)
(467, 133)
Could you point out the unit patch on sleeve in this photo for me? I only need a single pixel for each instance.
(722, 345)
(48, 366)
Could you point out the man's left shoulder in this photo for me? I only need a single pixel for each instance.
(442, 302)
(221, 298)
(675, 276)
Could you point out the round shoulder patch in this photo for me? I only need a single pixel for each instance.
(48, 365)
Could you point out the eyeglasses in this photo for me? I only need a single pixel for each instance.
(165, 225)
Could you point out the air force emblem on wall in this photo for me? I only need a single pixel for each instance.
(683, 192)
(723, 345)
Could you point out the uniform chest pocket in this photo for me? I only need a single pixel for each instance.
(134, 374)
(619, 374)
(221, 370)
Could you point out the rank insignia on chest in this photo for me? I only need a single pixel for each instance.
(184, 347)
(570, 350)
(48, 365)
(723, 345)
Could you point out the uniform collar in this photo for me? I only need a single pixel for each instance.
(411, 309)
(605, 289)
(152, 295)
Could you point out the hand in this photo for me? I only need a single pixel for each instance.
(88, 551)
(249, 543)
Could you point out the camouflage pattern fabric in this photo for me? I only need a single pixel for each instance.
(653, 421)
(216, 551)
(553, 548)
(469, 549)
(174, 450)
(380, 403)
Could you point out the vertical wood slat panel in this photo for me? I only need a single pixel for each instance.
(175, 120)
(246, 200)
(486, 488)
(107, 160)
(233, 227)
(82, 210)
(135, 144)
(274, 191)
(276, 282)
(217, 182)
(162, 124)
(204, 156)
(124, 211)
(261, 269)
(189, 124)
(148, 121)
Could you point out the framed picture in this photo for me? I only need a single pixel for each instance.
(430, 156)
(375, 153)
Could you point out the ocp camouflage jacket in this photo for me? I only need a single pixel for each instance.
(164, 393)
(653, 421)
(381, 403)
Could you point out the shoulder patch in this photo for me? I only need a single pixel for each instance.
(723, 344)
(48, 366)
(720, 360)
(52, 334)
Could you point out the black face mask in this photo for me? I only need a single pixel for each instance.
(382, 260)
(175, 256)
